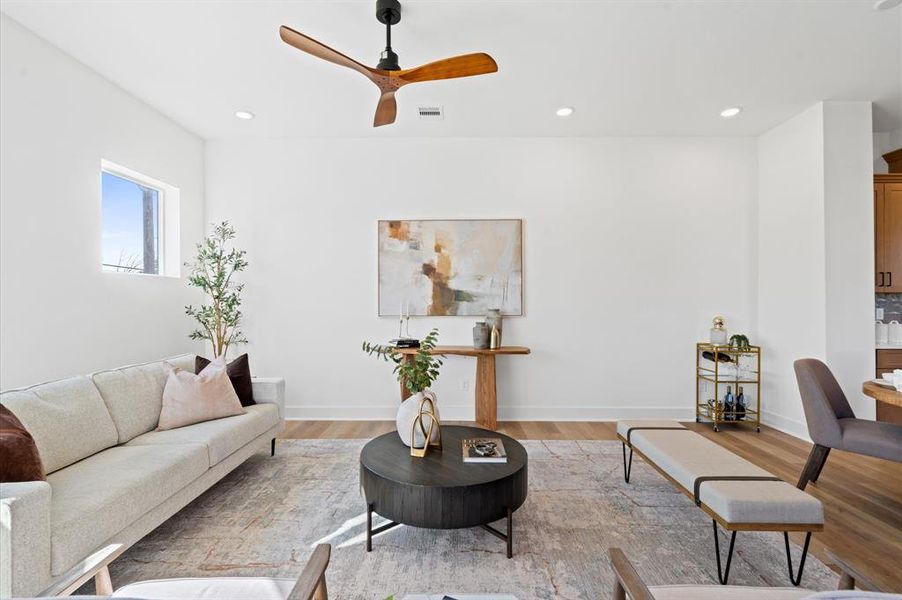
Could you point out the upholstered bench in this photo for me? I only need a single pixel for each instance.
(732, 491)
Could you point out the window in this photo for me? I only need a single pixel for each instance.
(138, 233)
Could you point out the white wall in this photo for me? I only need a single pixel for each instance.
(815, 254)
(59, 314)
(849, 234)
(631, 246)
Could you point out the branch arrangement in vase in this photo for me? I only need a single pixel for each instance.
(417, 374)
(212, 269)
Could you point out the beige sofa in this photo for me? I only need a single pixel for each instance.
(111, 479)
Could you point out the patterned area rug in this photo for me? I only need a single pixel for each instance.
(265, 517)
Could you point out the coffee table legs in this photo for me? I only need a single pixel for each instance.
(508, 538)
(370, 532)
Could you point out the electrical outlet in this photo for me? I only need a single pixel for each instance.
(465, 385)
(879, 314)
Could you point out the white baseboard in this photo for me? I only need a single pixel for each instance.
(509, 413)
(791, 426)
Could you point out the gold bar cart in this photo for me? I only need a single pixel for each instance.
(745, 371)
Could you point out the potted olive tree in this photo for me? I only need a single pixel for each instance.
(417, 372)
(214, 265)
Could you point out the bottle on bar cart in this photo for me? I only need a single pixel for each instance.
(729, 405)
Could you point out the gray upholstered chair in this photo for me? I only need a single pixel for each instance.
(832, 424)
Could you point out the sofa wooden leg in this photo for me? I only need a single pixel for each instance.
(103, 585)
(813, 465)
(272, 449)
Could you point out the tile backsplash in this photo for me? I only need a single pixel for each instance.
(891, 305)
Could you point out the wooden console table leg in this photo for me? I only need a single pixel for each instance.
(486, 399)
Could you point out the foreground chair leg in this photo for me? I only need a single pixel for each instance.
(813, 466)
(796, 580)
(821, 468)
(723, 576)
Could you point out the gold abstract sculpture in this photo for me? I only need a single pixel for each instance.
(434, 425)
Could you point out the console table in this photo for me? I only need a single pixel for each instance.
(486, 397)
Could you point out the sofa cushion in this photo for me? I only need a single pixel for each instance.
(95, 498)
(221, 437)
(67, 419)
(134, 394)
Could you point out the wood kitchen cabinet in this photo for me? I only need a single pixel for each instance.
(887, 362)
(888, 233)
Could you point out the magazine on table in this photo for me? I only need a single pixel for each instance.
(484, 450)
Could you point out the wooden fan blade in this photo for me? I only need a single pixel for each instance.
(311, 46)
(449, 68)
(386, 110)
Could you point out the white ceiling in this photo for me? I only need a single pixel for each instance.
(629, 68)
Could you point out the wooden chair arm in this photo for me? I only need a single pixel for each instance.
(850, 575)
(312, 582)
(628, 580)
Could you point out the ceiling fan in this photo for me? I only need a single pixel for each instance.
(388, 76)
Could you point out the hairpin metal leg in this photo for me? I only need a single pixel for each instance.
(723, 576)
(796, 580)
(272, 448)
(627, 467)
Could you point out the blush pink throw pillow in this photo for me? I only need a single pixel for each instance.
(190, 398)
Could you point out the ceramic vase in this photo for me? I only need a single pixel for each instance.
(481, 336)
(407, 414)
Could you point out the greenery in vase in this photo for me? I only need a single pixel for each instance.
(216, 261)
(417, 373)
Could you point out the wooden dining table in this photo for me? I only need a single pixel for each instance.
(891, 409)
(882, 393)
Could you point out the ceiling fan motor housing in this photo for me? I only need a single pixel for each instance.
(388, 12)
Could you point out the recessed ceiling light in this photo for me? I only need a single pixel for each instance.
(244, 115)
(729, 113)
(886, 4)
(564, 111)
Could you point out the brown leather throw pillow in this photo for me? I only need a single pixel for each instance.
(239, 371)
(19, 458)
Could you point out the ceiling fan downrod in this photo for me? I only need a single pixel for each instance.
(388, 12)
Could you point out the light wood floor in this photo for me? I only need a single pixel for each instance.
(862, 496)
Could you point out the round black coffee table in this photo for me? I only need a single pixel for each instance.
(440, 491)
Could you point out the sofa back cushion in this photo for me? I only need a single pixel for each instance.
(134, 394)
(67, 419)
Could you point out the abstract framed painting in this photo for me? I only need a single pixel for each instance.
(450, 267)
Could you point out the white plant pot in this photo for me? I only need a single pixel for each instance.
(407, 414)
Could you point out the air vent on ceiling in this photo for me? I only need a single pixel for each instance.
(431, 113)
